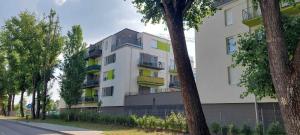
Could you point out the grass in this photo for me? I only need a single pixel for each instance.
(107, 129)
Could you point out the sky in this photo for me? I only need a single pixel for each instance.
(98, 19)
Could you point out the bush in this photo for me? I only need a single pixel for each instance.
(215, 128)
(224, 130)
(232, 130)
(174, 122)
(275, 129)
(246, 130)
(259, 129)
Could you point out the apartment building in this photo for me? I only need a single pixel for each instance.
(131, 73)
(217, 81)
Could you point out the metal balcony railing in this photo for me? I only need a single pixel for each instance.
(174, 84)
(93, 68)
(93, 99)
(148, 64)
(251, 13)
(90, 83)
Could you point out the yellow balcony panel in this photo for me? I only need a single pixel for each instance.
(154, 81)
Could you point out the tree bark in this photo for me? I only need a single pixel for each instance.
(13, 102)
(33, 98)
(285, 78)
(193, 109)
(9, 104)
(21, 103)
(38, 102)
(44, 99)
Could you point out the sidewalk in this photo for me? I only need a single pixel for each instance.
(67, 130)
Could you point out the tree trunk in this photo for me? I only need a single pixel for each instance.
(33, 98)
(9, 104)
(21, 103)
(44, 99)
(285, 78)
(38, 103)
(13, 102)
(193, 109)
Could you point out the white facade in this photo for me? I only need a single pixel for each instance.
(216, 80)
(126, 66)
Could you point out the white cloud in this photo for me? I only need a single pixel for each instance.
(60, 2)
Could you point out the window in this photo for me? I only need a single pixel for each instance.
(106, 45)
(233, 76)
(230, 45)
(139, 40)
(110, 59)
(109, 75)
(107, 91)
(153, 44)
(228, 17)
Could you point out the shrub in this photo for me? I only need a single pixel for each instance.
(259, 129)
(215, 128)
(232, 130)
(174, 122)
(275, 129)
(246, 130)
(224, 130)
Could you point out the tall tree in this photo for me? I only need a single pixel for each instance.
(177, 13)
(252, 54)
(285, 72)
(53, 44)
(73, 67)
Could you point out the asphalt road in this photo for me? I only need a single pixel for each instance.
(12, 128)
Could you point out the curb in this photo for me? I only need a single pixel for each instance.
(21, 123)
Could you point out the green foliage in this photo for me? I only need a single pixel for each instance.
(276, 128)
(252, 54)
(233, 130)
(259, 129)
(153, 11)
(215, 128)
(224, 130)
(246, 130)
(174, 122)
(73, 67)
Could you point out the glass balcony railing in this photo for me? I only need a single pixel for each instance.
(92, 99)
(154, 81)
(93, 53)
(90, 83)
(174, 84)
(93, 68)
(153, 65)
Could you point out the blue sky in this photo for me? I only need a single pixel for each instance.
(98, 19)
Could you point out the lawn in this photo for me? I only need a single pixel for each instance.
(107, 129)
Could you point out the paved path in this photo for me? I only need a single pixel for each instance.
(13, 128)
(62, 129)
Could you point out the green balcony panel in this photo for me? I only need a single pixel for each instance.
(92, 61)
(163, 46)
(150, 81)
(89, 92)
(93, 69)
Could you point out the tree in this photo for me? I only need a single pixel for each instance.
(252, 54)
(176, 14)
(73, 67)
(285, 71)
(53, 43)
(23, 36)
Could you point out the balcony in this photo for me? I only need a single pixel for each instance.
(252, 16)
(88, 101)
(152, 65)
(93, 68)
(91, 83)
(93, 53)
(152, 81)
(174, 84)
